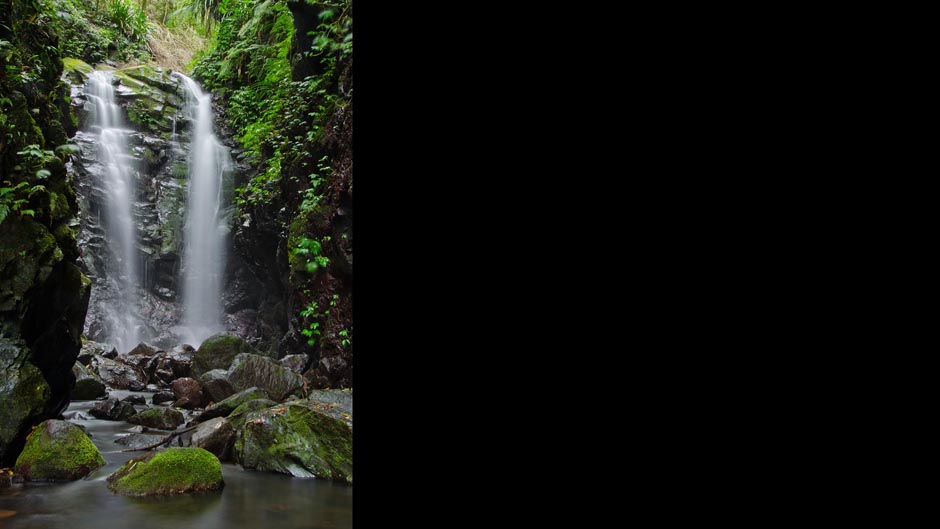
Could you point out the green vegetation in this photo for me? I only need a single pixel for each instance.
(174, 471)
(58, 451)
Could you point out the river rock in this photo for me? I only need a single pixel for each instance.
(173, 471)
(238, 415)
(295, 363)
(217, 352)
(337, 403)
(87, 386)
(297, 440)
(160, 418)
(188, 393)
(215, 435)
(227, 406)
(254, 370)
(58, 451)
(24, 393)
(174, 364)
(135, 399)
(118, 374)
(143, 349)
(215, 385)
(136, 441)
(112, 410)
(163, 396)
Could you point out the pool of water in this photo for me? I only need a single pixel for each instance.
(249, 499)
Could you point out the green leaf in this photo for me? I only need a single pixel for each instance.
(43, 173)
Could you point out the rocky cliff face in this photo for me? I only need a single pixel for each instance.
(43, 293)
(159, 145)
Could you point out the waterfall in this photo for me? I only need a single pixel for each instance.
(205, 230)
(120, 184)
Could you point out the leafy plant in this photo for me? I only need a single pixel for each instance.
(313, 328)
(310, 249)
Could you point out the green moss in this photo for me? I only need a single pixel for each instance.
(174, 471)
(65, 455)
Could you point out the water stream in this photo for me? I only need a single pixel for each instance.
(205, 229)
(249, 499)
(120, 184)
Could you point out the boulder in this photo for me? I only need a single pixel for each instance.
(173, 471)
(24, 394)
(227, 406)
(217, 352)
(188, 393)
(118, 374)
(135, 399)
(163, 396)
(238, 415)
(297, 440)
(215, 385)
(87, 386)
(159, 418)
(143, 349)
(295, 363)
(336, 403)
(250, 370)
(58, 451)
(112, 410)
(215, 435)
(88, 389)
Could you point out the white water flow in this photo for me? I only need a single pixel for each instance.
(120, 184)
(205, 230)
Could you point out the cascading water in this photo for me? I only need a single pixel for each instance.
(120, 184)
(205, 229)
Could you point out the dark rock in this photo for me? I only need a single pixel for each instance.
(112, 410)
(250, 370)
(227, 406)
(297, 440)
(88, 389)
(215, 435)
(135, 399)
(58, 451)
(171, 365)
(163, 396)
(217, 352)
(215, 385)
(143, 349)
(173, 471)
(296, 363)
(188, 393)
(136, 441)
(119, 375)
(158, 418)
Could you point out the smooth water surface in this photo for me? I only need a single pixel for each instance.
(249, 499)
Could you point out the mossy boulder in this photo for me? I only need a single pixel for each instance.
(297, 440)
(227, 406)
(88, 389)
(58, 451)
(24, 394)
(237, 417)
(218, 352)
(159, 418)
(253, 370)
(76, 70)
(174, 471)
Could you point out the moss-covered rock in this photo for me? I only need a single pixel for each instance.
(23, 393)
(297, 440)
(159, 418)
(239, 414)
(217, 352)
(58, 451)
(174, 471)
(88, 389)
(253, 370)
(227, 406)
(76, 70)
